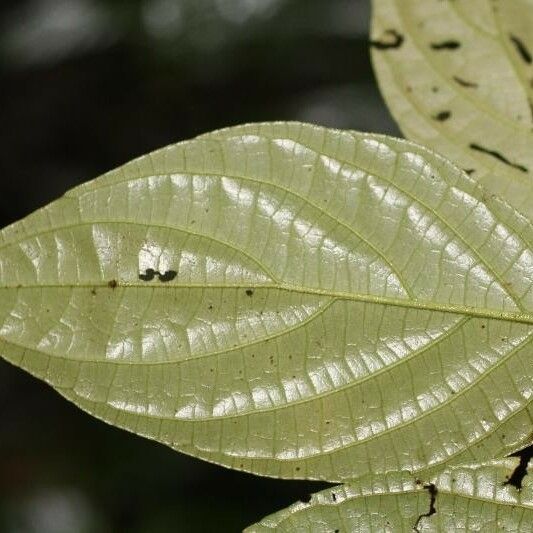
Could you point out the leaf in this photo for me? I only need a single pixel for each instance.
(460, 82)
(283, 299)
(462, 498)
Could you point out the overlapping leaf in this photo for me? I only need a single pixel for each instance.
(457, 76)
(462, 498)
(283, 299)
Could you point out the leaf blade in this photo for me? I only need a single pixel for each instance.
(471, 497)
(451, 99)
(283, 305)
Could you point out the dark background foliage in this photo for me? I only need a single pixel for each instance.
(86, 85)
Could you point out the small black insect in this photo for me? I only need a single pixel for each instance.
(150, 274)
(169, 275)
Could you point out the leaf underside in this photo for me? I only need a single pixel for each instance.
(283, 299)
(462, 498)
(457, 76)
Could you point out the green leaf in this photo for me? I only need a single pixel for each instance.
(462, 498)
(457, 77)
(283, 299)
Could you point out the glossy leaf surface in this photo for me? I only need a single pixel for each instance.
(457, 76)
(462, 498)
(283, 299)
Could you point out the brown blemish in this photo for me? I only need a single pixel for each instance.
(465, 83)
(393, 40)
(442, 116)
(521, 48)
(497, 155)
(446, 45)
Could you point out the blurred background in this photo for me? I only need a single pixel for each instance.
(86, 85)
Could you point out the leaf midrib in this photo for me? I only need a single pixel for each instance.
(457, 309)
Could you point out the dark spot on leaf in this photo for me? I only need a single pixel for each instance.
(516, 478)
(469, 171)
(210, 307)
(169, 275)
(148, 275)
(446, 45)
(393, 40)
(249, 292)
(521, 48)
(333, 496)
(442, 116)
(93, 291)
(497, 156)
(483, 326)
(435, 89)
(112, 284)
(433, 492)
(465, 83)
(297, 469)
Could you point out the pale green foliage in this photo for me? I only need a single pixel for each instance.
(308, 303)
(340, 299)
(469, 498)
(343, 304)
(460, 82)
